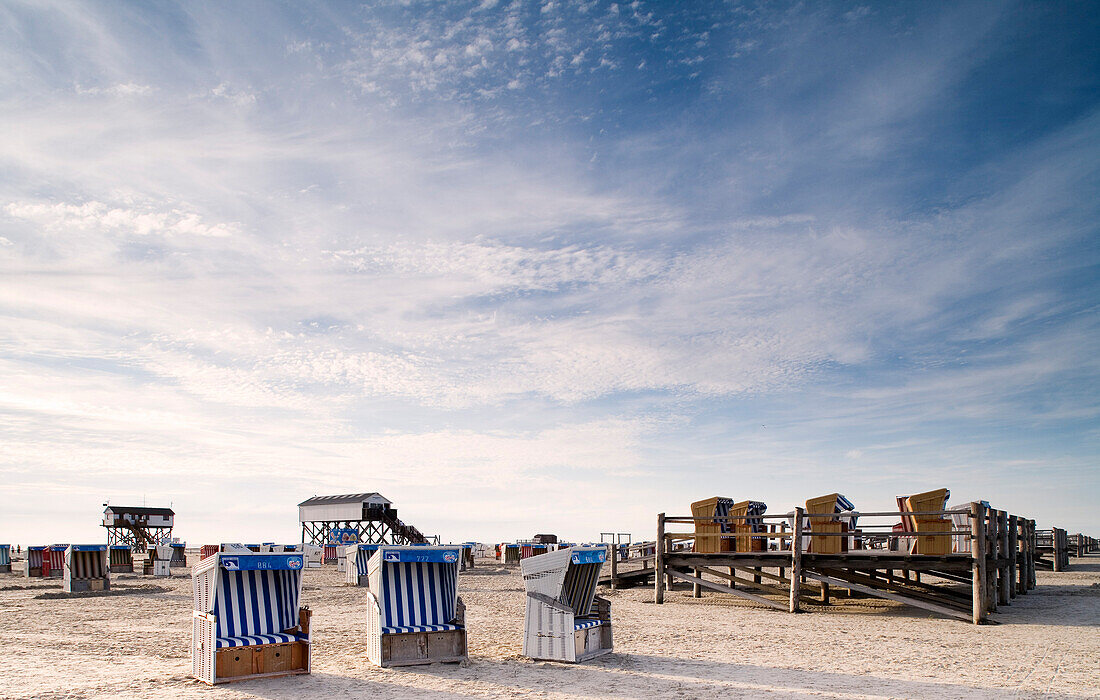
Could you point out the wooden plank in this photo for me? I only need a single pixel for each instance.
(915, 602)
(734, 579)
(726, 589)
(909, 588)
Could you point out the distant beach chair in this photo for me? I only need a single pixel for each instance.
(356, 567)
(414, 614)
(926, 526)
(708, 535)
(158, 561)
(53, 561)
(86, 568)
(32, 565)
(509, 553)
(248, 622)
(121, 559)
(5, 558)
(314, 554)
(179, 555)
(565, 620)
(820, 542)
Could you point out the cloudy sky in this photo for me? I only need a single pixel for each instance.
(544, 267)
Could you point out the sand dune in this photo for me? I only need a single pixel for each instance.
(135, 643)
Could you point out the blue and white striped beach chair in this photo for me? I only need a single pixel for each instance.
(5, 558)
(564, 619)
(247, 620)
(358, 558)
(414, 614)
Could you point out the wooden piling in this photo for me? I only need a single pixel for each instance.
(659, 562)
(1004, 583)
(1013, 556)
(977, 553)
(796, 559)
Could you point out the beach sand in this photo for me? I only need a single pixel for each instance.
(135, 643)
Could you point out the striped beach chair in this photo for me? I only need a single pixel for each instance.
(358, 558)
(120, 557)
(414, 614)
(32, 565)
(86, 568)
(247, 619)
(708, 534)
(5, 558)
(53, 561)
(564, 619)
(179, 555)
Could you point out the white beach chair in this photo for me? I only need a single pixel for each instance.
(565, 620)
(414, 614)
(247, 619)
(86, 568)
(356, 567)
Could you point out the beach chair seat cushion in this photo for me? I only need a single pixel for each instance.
(420, 628)
(254, 639)
(585, 624)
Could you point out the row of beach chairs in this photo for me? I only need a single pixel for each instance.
(249, 621)
(919, 514)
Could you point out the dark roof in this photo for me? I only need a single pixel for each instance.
(337, 500)
(139, 510)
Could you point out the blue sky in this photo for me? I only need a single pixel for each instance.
(528, 267)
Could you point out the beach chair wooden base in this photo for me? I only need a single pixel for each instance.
(261, 661)
(418, 648)
(5, 568)
(822, 544)
(592, 642)
(930, 543)
(79, 586)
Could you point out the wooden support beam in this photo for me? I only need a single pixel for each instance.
(659, 562)
(1013, 555)
(796, 560)
(1004, 582)
(735, 579)
(878, 593)
(726, 589)
(977, 554)
(923, 591)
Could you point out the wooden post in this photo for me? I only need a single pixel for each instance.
(659, 562)
(991, 560)
(696, 589)
(977, 553)
(1013, 556)
(1004, 582)
(614, 563)
(824, 592)
(796, 559)
(1031, 547)
(1056, 542)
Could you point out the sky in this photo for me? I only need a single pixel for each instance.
(558, 266)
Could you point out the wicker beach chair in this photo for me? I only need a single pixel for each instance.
(708, 535)
(5, 558)
(53, 561)
(926, 526)
(86, 568)
(120, 557)
(565, 620)
(356, 566)
(820, 541)
(247, 619)
(414, 614)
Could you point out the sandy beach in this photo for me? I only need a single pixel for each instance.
(135, 643)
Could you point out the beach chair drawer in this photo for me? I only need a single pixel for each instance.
(229, 663)
(932, 543)
(828, 544)
(589, 640)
